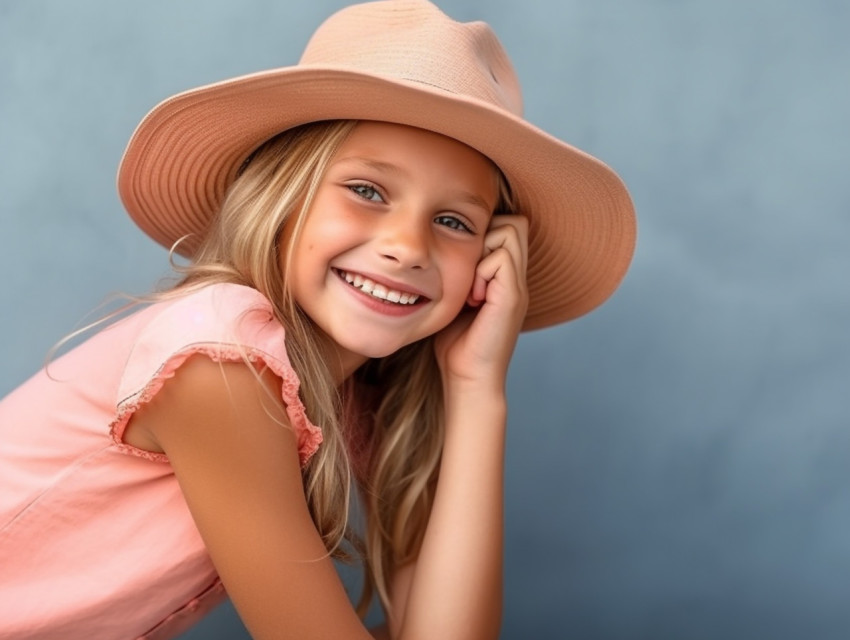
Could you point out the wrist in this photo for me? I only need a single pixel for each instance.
(475, 408)
(491, 384)
(474, 394)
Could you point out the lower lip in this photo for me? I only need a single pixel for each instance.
(378, 305)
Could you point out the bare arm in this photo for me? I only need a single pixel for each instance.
(460, 563)
(456, 588)
(237, 463)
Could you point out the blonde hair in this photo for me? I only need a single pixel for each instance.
(397, 399)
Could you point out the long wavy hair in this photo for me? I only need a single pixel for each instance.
(383, 428)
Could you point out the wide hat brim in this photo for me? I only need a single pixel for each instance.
(188, 150)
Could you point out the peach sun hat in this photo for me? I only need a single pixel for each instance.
(405, 62)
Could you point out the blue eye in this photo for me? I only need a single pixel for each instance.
(452, 223)
(367, 192)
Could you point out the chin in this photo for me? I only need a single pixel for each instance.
(373, 348)
(377, 351)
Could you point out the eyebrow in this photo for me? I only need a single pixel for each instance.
(466, 197)
(475, 200)
(379, 165)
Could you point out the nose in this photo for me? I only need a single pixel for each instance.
(403, 238)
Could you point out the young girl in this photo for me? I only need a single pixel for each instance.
(369, 231)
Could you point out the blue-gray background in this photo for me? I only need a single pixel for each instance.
(679, 461)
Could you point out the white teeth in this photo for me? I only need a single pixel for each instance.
(378, 290)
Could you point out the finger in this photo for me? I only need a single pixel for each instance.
(512, 236)
(505, 228)
(499, 266)
(508, 232)
(478, 291)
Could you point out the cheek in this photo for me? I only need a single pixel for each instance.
(297, 261)
(461, 274)
(333, 232)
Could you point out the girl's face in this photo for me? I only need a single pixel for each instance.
(390, 244)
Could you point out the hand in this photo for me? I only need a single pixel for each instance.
(477, 346)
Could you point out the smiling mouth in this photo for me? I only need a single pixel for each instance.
(379, 291)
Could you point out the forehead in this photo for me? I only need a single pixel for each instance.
(398, 148)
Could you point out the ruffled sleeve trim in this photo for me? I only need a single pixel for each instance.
(226, 323)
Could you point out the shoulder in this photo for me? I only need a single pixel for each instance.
(226, 324)
(223, 312)
(228, 298)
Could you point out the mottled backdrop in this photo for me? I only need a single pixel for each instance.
(679, 461)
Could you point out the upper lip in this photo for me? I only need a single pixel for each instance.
(389, 283)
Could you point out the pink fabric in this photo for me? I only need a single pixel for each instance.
(96, 540)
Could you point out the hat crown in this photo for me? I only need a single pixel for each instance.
(413, 41)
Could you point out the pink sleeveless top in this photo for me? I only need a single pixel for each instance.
(96, 541)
